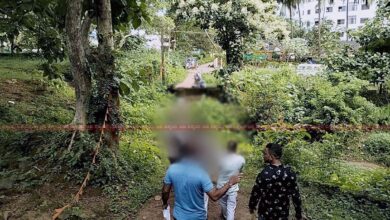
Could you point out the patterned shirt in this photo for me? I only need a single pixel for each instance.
(272, 190)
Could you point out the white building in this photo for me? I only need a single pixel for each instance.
(336, 11)
(153, 41)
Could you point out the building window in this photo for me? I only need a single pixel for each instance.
(363, 20)
(352, 7)
(329, 9)
(352, 19)
(317, 10)
(340, 21)
(342, 34)
(365, 7)
(316, 22)
(308, 23)
(331, 2)
(342, 8)
(308, 12)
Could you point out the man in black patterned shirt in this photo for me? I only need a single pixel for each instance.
(273, 188)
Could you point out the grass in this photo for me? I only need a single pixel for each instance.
(20, 68)
(35, 102)
(322, 202)
(210, 80)
(206, 59)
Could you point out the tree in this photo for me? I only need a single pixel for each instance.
(297, 46)
(51, 21)
(374, 36)
(319, 28)
(323, 35)
(43, 20)
(372, 61)
(234, 21)
(93, 103)
(290, 4)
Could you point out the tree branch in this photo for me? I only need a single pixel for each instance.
(123, 41)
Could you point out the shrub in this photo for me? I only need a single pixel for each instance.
(281, 95)
(377, 145)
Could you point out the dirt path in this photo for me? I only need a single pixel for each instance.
(152, 209)
(189, 81)
(363, 164)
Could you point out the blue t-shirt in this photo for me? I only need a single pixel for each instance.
(190, 181)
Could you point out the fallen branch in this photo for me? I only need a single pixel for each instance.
(76, 198)
(72, 140)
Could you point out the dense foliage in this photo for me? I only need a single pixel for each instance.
(372, 61)
(377, 145)
(297, 46)
(281, 95)
(234, 21)
(322, 155)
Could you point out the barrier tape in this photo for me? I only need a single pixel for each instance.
(249, 127)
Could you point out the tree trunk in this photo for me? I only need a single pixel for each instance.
(105, 34)
(346, 21)
(291, 21)
(85, 26)
(12, 41)
(81, 77)
(233, 58)
(1, 46)
(319, 29)
(162, 66)
(107, 82)
(299, 14)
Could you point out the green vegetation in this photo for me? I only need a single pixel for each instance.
(282, 95)
(322, 156)
(377, 145)
(333, 126)
(139, 161)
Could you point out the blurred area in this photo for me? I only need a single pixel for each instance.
(192, 134)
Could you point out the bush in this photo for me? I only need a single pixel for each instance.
(272, 96)
(377, 145)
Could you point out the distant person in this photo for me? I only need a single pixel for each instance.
(273, 188)
(190, 181)
(231, 164)
(198, 81)
(197, 77)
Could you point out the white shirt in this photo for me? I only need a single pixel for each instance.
(230, 165)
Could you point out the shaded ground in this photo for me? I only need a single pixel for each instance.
(39, 203)
(152, 209)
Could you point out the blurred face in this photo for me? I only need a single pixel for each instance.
(267, 156)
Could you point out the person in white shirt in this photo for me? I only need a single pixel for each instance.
(231, 164)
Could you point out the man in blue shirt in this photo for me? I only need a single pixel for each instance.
(190, 181)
